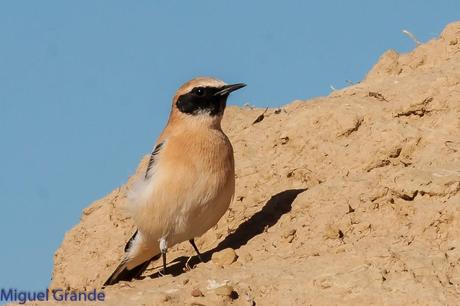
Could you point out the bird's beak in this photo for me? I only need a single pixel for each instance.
(227, 89)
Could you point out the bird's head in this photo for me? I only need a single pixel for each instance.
(202, 98)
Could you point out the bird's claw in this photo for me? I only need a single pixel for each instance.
(187, 265)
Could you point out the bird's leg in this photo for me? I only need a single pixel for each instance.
(187, 265)
(163, 249)
(192, 242)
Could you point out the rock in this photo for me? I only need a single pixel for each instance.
(225, 257)
(451, 33)
(225, 290)
(389, 186)
(332, 232)
(387, 65)
(197, 292)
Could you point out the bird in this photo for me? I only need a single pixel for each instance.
(189, 182)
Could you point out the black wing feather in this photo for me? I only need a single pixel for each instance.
(153, 155)
(128, 244)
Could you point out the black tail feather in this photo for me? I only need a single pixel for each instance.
(122, 273)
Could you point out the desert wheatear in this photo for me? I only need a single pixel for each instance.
(190, 178)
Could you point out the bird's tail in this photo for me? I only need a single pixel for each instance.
(122, 273)
(137, 258)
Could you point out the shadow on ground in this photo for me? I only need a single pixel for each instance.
(268, 216)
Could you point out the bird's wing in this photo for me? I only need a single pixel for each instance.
(122, 272)
(152, 160)
(130, 241)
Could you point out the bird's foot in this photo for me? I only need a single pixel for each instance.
(188, 267)
(162, 273)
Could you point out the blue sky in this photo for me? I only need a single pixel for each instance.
(85, 88)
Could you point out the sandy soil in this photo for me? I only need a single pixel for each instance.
(350, 199)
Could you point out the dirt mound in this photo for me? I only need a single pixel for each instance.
(349, 199)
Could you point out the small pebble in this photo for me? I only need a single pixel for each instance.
(332, 232)
(224, 290)
(197, 292)
(225, 257)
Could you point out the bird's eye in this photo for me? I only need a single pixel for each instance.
(199, 91)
